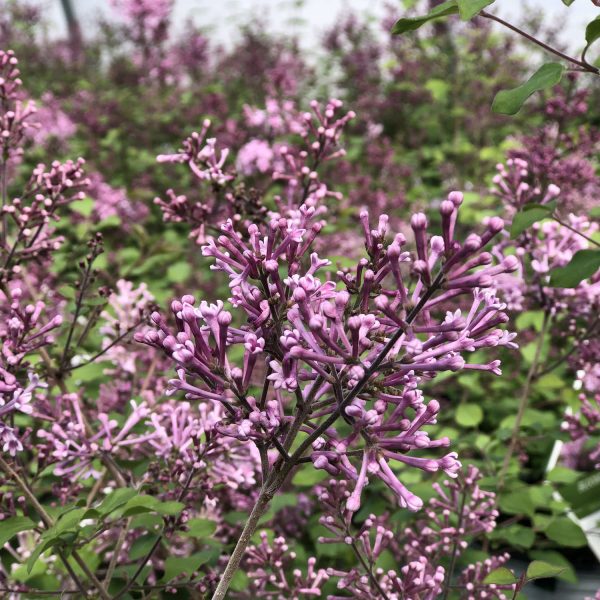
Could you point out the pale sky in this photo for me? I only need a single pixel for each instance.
(225, 16)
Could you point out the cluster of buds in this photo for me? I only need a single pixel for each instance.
(13, 112)
(22, 328)
(512, 184)
(180, 209)
(473, 576)
(276, 118)
(14, 398)
(461, 512)
(73, 445)
(293, 166)
(418, 578)
(129, 307)
(201, 155)
(357, 353)
(47, 190)
(268, 568)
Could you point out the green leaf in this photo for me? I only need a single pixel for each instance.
(568, 2)
(200, 528)
(10, 528)
(240, 581)
(141, 546)
(144, 504)
(583, 265)
(531, 213)
(592, 31)
(438, 88)
(501, 576)
(516, 535)
(565, 532)
(469, 415)
(176, 566)
(179, 272)
(563, 475)
(469, 8)
(37, 551)
(115, 500)
(509, 102)
(411, 24)
(558, 560)
(69, 521)
(84, 207)
(307, 477)
(517, 503)
(539, 569)
(112, 221)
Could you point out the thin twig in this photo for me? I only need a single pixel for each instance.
(106, 349)
(455, 546)
(115, 557)
(585, 237)
(584, 65)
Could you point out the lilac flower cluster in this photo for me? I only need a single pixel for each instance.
(15, 113)
(359, 352)
(420, 577)
(22, 331)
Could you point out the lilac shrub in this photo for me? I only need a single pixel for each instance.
(149, 447)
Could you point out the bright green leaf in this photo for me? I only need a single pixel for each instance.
(516, 534)
(307, 477)
(411, 24)
(583, 265)
(179, 272)
(10, 527)
(558, 560)
(469, 8)
(84, 207)
(240, 581)
(37, 551)
(438, 88)
(565, 532)
(509, 102)
(200, 528)
(469, 415)
(142, 545)
(175, 565)
(531, 213)
(142, 504)
(563, 475)
(517, 503)
(115, 500)
(501, 576)
(542, 570)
